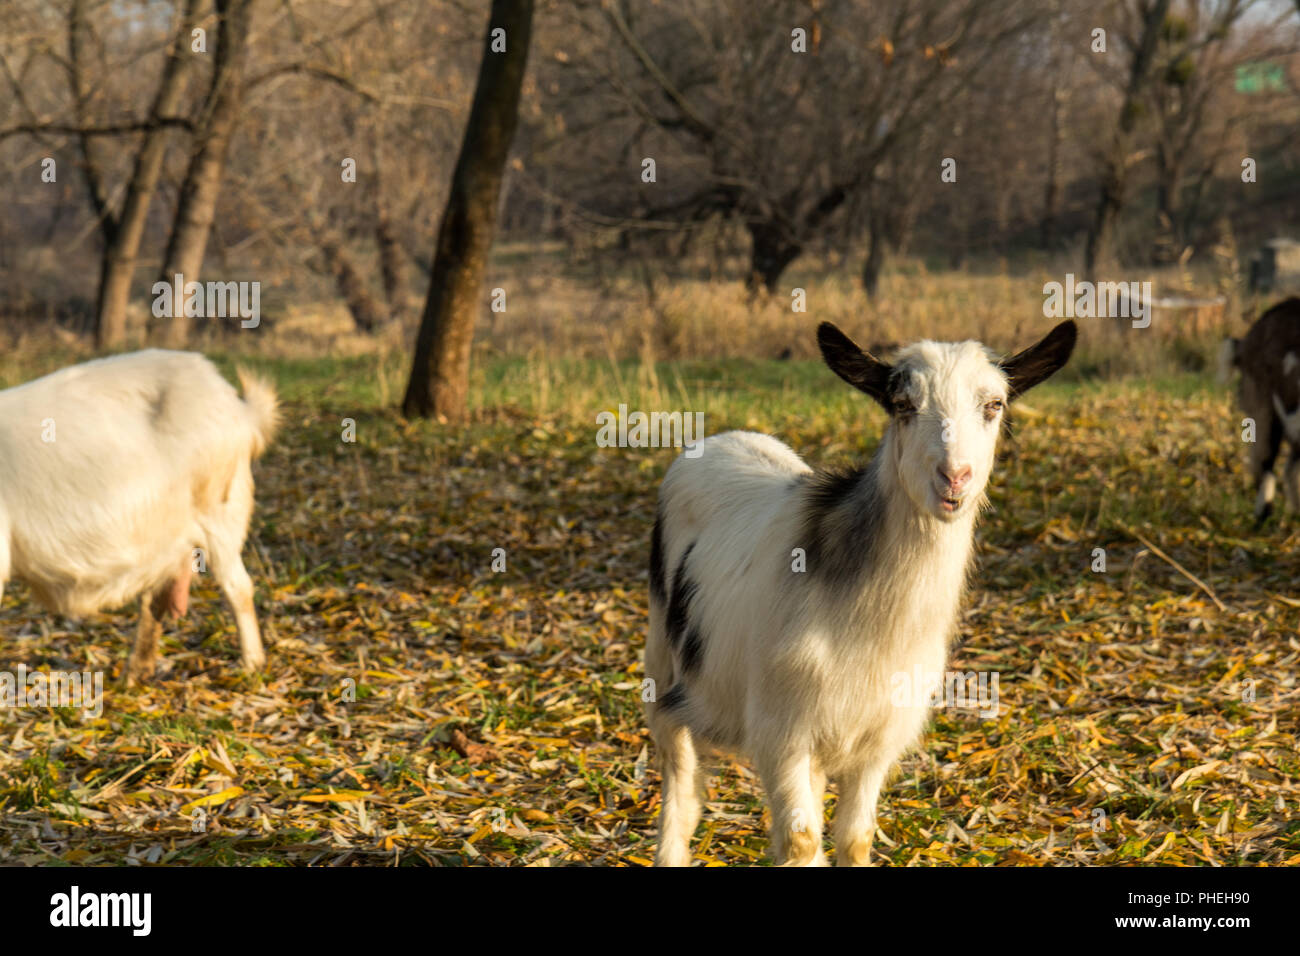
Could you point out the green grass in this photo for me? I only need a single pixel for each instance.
(732, 390)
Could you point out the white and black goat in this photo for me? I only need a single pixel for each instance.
(1268, 357)
(794, 669)
(114, 471)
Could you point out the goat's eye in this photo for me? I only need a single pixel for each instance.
(903, 406)
(992, 408)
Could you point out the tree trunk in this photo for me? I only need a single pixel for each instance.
(1170, 236)
(1052, 194)
(118, 263)
(770, 252)
(368, 314)
(392, 263)
(393, 267)
(1115, 174)
(92, 174)
(1100, 234)
(439, 382)
(201, 188)
(875, 261)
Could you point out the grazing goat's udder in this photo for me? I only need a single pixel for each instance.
(175, 599)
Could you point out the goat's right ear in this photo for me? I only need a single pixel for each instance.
(855, 366)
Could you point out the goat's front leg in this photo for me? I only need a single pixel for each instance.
(1263, 455)
(4, 559)
(855, 815)
(796, 810)
(680, 813)
(1291, 482)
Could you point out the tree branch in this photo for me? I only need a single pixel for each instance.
(319, 72)
(117, 129)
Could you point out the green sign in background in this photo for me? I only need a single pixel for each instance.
(1261, 78)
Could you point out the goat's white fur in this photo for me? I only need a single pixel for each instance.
(796, 668)
(149, 459)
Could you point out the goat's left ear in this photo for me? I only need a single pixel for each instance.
(858, 368)
(1038, 362)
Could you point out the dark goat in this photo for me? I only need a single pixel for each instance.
(1268, 357)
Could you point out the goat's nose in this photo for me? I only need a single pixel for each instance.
(955, 476)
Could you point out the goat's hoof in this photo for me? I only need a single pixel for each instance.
(253, 665)
(673, 859)
(804, 849)
(857, 853)
(140, 671)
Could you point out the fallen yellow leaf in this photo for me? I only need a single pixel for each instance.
(339, 796)
(212, 799)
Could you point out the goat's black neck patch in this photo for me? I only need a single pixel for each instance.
(682, 636)
(658, 575)
(843, 514)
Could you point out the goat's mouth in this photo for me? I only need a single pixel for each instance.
(948, 503)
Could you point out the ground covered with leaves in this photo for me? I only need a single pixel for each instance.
(420, 707)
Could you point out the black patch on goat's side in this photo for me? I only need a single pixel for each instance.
(842, 516)
(692, 649)
(675, 697)
(684, 638)
(657, 574)
(719, 736)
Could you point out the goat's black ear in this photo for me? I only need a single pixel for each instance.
(855, 366)
(1038, 362)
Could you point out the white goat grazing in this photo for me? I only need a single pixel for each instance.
(795, 669)
(114, 471)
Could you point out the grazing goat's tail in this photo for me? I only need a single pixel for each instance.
(263, 406)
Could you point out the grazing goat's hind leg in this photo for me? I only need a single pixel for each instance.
(143, 660)
(238, 588)
(225, 539)
(170, 600)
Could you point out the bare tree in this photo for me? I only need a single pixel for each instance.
(1063, 60)
(1148, 21)
(1194, 121)
(439, 383)
(196, 207)
(124, 232)
(735, 111)
(121, 226)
